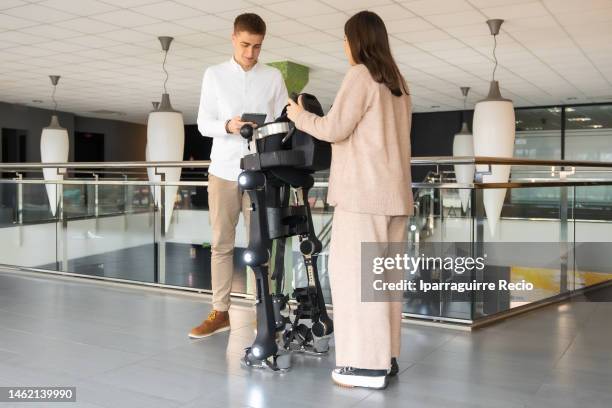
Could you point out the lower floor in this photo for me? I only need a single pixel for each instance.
(126, 346)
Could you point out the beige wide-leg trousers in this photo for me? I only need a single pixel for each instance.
(225, 202)
(367, 334)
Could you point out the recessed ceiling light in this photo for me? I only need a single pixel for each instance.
(582, 119)
(554, 110)
(570, 110)
(435, 106)
(37, 101)
(596, 126)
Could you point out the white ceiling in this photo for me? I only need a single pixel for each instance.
(550, 51)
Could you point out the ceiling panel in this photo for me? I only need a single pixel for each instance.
(87, 25)
(81, 7)
(166, 10)
(326, 21)
(548, 50)
(388, 12)
(215, 7)
(432, 7)
(35, 12)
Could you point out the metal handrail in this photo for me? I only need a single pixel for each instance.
(516, 184)
(451, 160)
(432, 161)
(432, 185)
(533, 171)
(115, 182)
(415, 161)
(106, 165)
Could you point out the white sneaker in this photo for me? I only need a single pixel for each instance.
(356, 377)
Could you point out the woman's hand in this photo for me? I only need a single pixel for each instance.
(294, 109)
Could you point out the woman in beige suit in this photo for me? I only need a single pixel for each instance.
(370, 188)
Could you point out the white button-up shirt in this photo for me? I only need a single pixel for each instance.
(228, 91)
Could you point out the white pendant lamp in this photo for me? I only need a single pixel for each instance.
(463, 145)
(493, 128)
(165, 142)
(151, 170)
(53, 149)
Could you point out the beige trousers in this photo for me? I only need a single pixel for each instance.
(367, 334)
(225, 202)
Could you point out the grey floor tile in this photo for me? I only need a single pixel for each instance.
(125, 347)
(501, 372)
(200, 355)
(5, 355)
(418, 386)
(178, 382)
(314, 389)
(534, 348)
(592, 338)
(91, 332)
(593, 363)
(67, 357)
(541, 327)
(13, 374)
(569, 397)
(385, 400)
(169, 380)
(500, 376)
(204, 403)
(109, 396)
(583, 380)
(584, 349)
(78, 404)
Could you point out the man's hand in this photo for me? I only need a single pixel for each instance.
(234, 125)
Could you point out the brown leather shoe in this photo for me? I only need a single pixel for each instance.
(215, 322)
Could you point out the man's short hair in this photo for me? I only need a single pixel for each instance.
(251, 23)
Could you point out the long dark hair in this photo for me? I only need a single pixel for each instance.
(369, 43)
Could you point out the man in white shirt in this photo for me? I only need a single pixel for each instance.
(240, 85)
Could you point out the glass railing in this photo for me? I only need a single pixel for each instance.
(108, 226)
(560, 244)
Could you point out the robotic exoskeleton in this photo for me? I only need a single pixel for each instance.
(282, 160)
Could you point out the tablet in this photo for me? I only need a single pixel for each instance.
(257, 118)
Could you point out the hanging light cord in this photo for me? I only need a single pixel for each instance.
(53, 99)
(165, 71)
(494, 56)
(464, 101)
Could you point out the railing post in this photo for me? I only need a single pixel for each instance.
(160, 232)
(478, 214)
(19, 210)
(96, 202)
(563, 234)
(127, 204)
(62, 245)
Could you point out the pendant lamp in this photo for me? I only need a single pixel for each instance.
(151, 170)
(493, 128)
(53, 149)
(165, 142)
(463, 145)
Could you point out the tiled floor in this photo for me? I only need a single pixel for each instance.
(127, 347)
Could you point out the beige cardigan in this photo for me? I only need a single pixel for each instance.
(370, 132)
